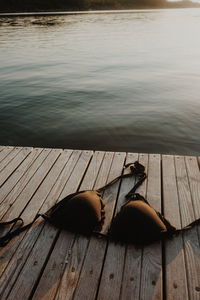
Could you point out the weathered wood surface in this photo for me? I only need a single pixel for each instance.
(46, 263)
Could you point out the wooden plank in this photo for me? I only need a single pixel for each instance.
(5, 151)
(175, 277)
(9, 157)
(62, 188)
(89, 181)
(29, 190)
(16, 176)
(104, 171)
(131, 276)
(12, 166)
(21, 184)
(92, 266)
(45, 188)
(133, 256)
(185, 200)
(151, 271)
(23, 199)
(71, 273)
(110, 284)
(28, 242)
(51, 277)
(41, 250)
(109, 200)
(191, 241)
(192, 164)
(194, 182)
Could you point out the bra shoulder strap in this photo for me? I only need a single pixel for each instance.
(136, 168)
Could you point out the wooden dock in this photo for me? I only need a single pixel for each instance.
(45, 263)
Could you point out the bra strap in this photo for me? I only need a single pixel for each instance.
(12, 221)
(136, 170)
(4, 240)
(188, 227)
(131, 193)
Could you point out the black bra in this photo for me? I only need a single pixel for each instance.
(83, 212)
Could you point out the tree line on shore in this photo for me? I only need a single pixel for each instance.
(61, 5)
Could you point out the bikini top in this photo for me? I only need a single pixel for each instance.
(83, 212)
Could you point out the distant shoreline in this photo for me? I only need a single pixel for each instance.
(61, 7)
(76, 12)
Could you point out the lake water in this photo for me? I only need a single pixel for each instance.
(121, 82)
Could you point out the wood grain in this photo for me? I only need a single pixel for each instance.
(133, 256)
(72, 272)
(110, 284)
(30, 238)
(7, 187)
(176, 279)
(151, 271)
(9, 157)
(34, 264)
(28, 192)
(22, 183)
(4, 152)
(91, 270)
(191, 241)
(12, 166)
(60, 259)
(9, 251)
(45, 263)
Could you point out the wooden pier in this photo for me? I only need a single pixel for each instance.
(45, 263)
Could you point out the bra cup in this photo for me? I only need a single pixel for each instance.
(81, 213)
(138, 223)
(86, 205)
